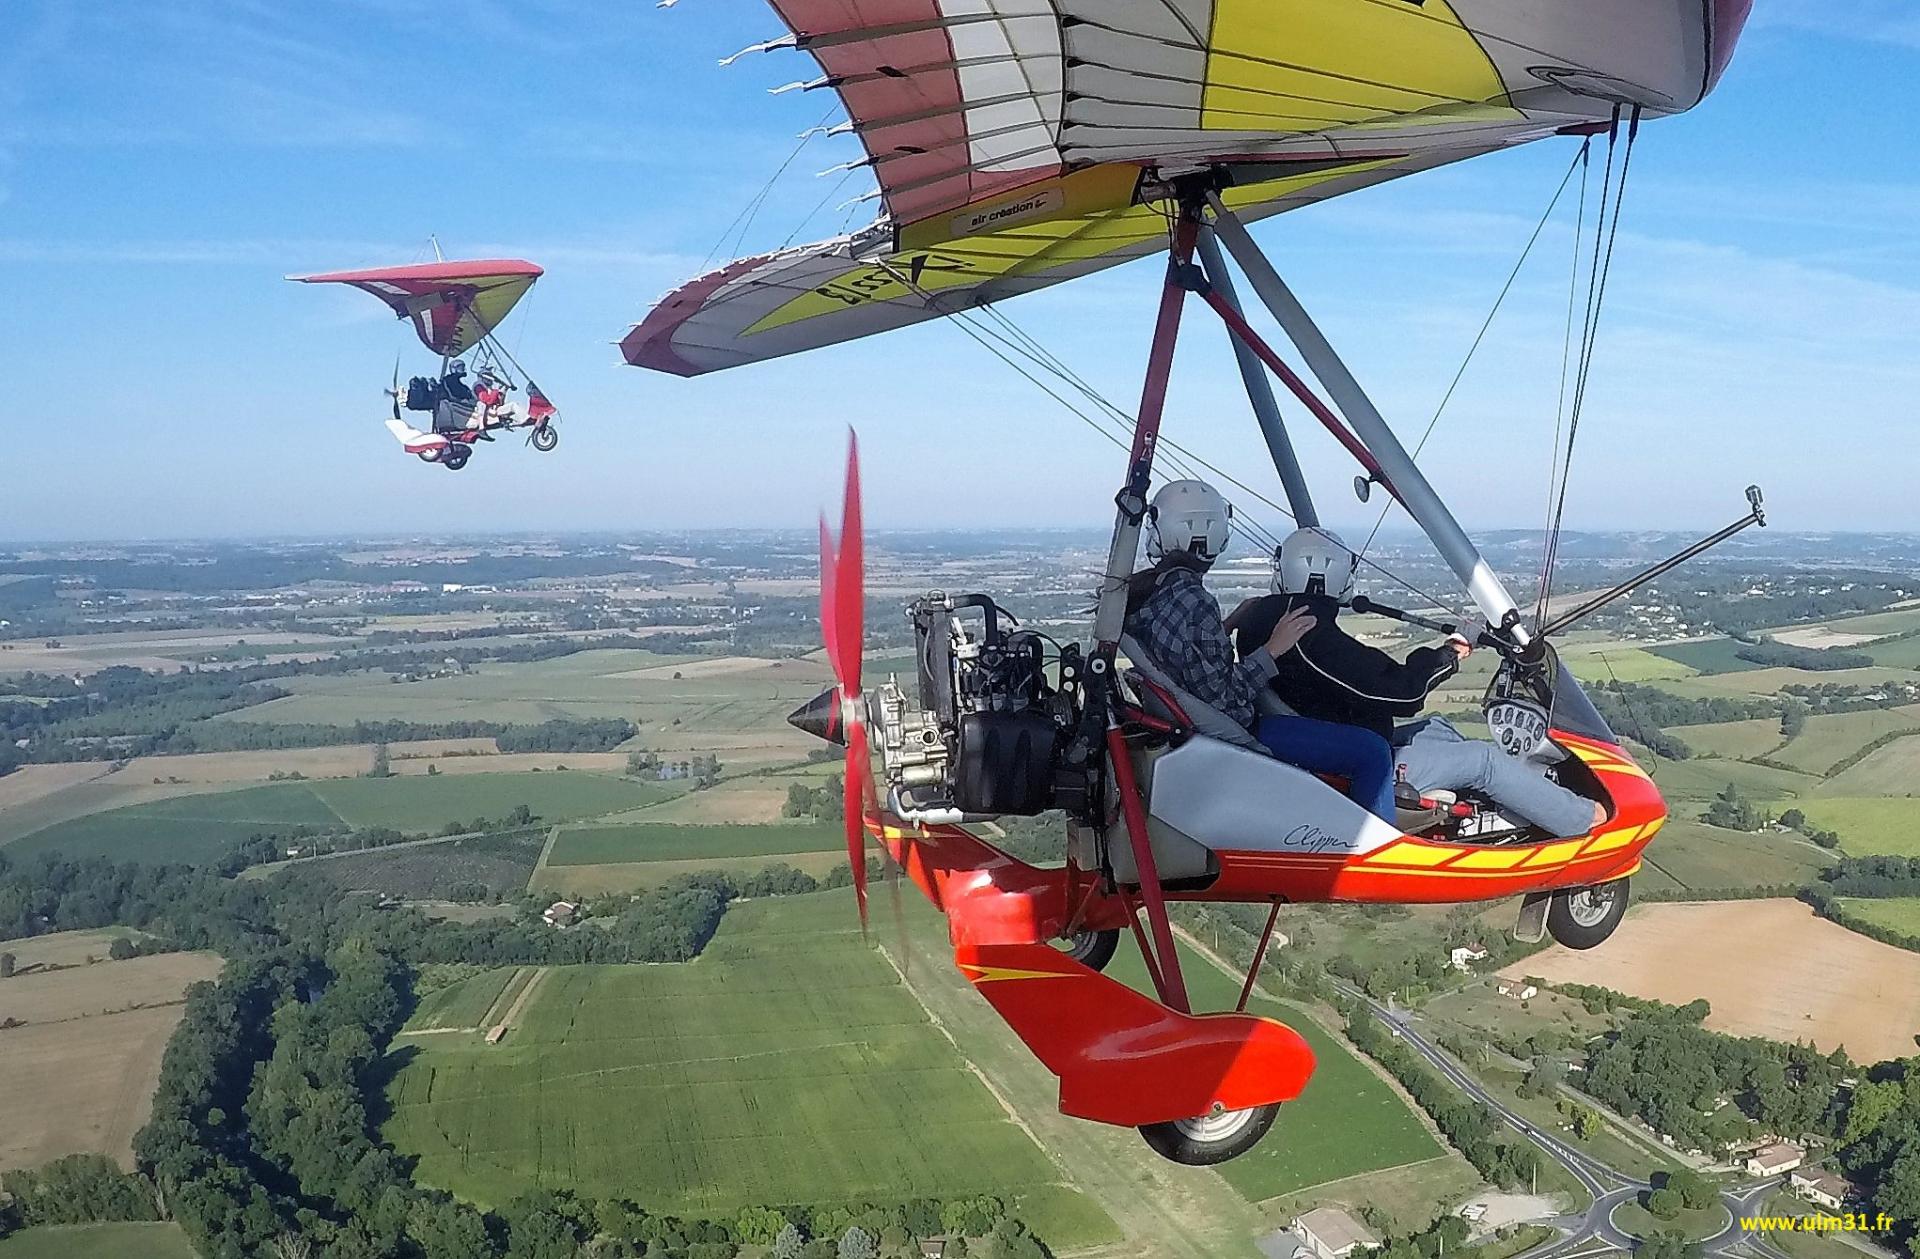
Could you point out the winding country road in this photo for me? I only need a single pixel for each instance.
(1592, 1232)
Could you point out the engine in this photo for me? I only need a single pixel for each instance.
(988, 725)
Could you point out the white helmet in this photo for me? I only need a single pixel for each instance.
(1188, 517)
(1314, 561)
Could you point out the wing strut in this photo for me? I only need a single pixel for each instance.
(1404, 477)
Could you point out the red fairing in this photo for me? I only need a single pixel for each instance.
(1123, 1058)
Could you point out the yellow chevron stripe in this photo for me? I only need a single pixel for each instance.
(1555, 854)
(995, 974)
(1493, 859)
(1411, 854)
(1607, 841)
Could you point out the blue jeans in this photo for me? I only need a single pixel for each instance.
(1329, 747)
(1437, 756)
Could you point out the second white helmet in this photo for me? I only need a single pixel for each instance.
(1188, 517)
(1315, 561)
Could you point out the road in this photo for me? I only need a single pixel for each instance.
(1592, 1232)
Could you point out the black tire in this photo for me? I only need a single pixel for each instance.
(456, 457)
(545, 438)
(1211, 1139)
(1093, 949)
(1581, 917)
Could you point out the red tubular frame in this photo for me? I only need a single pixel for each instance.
(1163, 962)
(1238, 325)
(1259, 956)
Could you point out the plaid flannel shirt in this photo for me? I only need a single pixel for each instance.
(1180, 627)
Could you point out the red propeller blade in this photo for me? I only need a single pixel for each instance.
(854, 803)
(842, 626)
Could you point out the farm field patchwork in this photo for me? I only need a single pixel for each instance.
(1702, 778)
(1607, 662)
(1699, 857)
(1823, 983)
(1893, 770)
(81, 1069)
(1828, 740)
(640, 842)
(190, 828)
(464, 1005)
(1733, 739)
(635, 876)
(787, 1064)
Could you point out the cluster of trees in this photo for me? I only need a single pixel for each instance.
(1680, 1190)
(265, 846)
(1877, 877)
(1473, 1129)
(77, 1189)
(1878, 1141)
(1795, 820)
(567, 734)
(1668, 1070)
(703, 770)
(1734, 812)
(825, 803)
(1446, 1238)
(1844, 697)
(1771, 653)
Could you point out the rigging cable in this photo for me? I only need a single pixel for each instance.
(1566, 354)
(1597, 296)
(751, 210)
(1547, 214)
(1181, 459)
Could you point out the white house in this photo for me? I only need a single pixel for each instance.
(1817, 1184)
(1518, 989)
(561, 914)
(1462, 957)
(1330, 1233)
(1771, 1160)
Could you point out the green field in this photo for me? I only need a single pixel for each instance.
(1698, 857)
(1893, 770)
(204, 827)
(463, 1004)
(1866, 826)
(1900, 913)
(1713, 655)
(1733, 739)
(1898, 621)
(419, 803)
(1828, 740)
(1702, 778)
(1347, 1122)
(98, 1241)
(1603, 662)
(786, 1065)
(185, 829)
(648, 842)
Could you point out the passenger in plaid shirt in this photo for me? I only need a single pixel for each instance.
(1176, 621)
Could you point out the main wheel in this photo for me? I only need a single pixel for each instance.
(456, 456)
(546, 437)
(1582, 917)
(1211, 1139)
(431, 455)
(1093, 949)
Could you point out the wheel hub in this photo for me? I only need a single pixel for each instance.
(1590, 906)
(1220, 1125)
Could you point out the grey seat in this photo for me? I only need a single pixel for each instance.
(1202, 716)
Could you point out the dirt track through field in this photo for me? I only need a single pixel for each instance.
(1768, 968)
(511, 1019)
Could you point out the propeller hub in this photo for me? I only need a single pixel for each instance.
(824, 717)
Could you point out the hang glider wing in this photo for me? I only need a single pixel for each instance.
(453, 305)
(1011, 139)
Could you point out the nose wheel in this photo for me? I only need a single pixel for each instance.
(1211, 1139)
(1093, 949)
(1582, 917)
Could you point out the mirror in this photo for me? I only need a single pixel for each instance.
(1363, 488)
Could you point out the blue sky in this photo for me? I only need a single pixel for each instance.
(163, 165)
